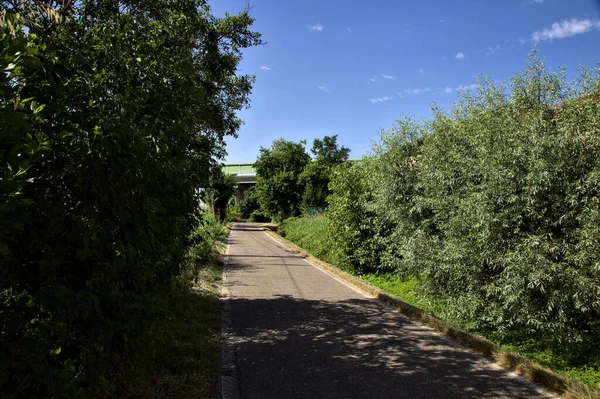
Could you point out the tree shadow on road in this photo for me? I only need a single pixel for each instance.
(296, 348)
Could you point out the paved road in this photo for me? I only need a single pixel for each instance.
(297, 332)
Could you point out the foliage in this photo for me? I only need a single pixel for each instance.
(233, 212)
(288, 182)
(204, 241)
(278, 187)
(258, 216)
(186, 363)
(328, 152)
(316, 175)
(492, 206)
(311, 233)
(356, 228)
(219, 192)
(249, 202)
(111, 115)
(315, 180)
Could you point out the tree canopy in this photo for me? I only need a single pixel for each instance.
(328, 152)
(317, 174)
(288, 181)
(220, 191)
(278, 187)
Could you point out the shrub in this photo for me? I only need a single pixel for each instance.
(208, 235)
(258, 216)
(493, 206)
(356, 228)
(278, 187)
(249, 203)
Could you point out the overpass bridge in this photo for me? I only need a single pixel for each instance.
(244, 172)
(245, 176)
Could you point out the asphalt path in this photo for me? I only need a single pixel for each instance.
(295, 331)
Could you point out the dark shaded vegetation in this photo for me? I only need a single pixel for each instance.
(111, 116)
(217, 195)
(249, 203)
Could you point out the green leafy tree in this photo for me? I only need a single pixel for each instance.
(328, 152)
(316, 175)
(111, 114)
(278, 186)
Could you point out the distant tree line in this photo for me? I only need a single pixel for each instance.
(289, 181)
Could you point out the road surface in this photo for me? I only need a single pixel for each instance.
(294, 331)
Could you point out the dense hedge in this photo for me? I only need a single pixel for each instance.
(111, 115)
(493, 206)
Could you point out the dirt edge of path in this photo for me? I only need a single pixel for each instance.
(229, 387)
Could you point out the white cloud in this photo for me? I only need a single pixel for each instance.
(469, 87)
(381, 99)
(449, 90)
(315, 28)
(388, 77)
(459, 56)
(372, 79)
(443, 21)
(537, 1)
(265, 68)
(410, 92)
(324, 88)
(566, 28)
(492, 50)
(349, 30)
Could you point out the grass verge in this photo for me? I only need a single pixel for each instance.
(188, 364)
(573, 372)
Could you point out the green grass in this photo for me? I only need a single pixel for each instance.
(579, 361)
(405, 290)
(187, 366)
(189, 362)
(312, 234)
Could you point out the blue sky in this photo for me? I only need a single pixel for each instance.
(353, 67)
